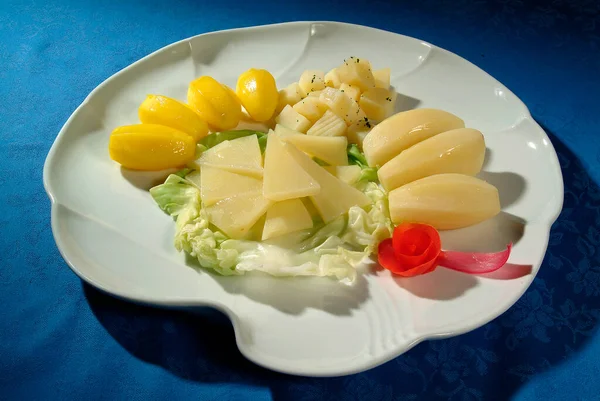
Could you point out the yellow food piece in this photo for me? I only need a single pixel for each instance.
(257, 91)
(336, 197)
(382, 78)
(349, 174)
(444, 201)
(150, 147)
(283, 176)
(356, 134)
(291, 119)
(342, 106)
(315, 93)
(235, 216)
(241, 156)
(459, 151)
(311, 108)
(215, 103)
(286, 217)
(352, 92)
(217, 184)
(163, 110)
(311, 80)
(331, 150)
(332, 79)
(291, 95)
(405, 129)
(355, 73)
(378, 103)
(328, 125)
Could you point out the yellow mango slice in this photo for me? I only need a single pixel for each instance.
(150, 147)
(257, 91)
(163, 110)
(215, 103)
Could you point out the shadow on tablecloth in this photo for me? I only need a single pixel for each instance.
(548, 324)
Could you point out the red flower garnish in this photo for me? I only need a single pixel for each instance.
(413, 250)
(416, 249)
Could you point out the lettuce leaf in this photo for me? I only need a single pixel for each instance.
(334, 249)
(355, 156)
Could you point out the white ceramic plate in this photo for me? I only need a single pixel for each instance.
(113, 236)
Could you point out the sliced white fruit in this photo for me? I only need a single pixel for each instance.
(292, 119)
(311, 80)
(315, 93)
(353, 92)
(444, 201)
(356, 74)
(284, 178)
(328, 125)
(235, 216)
(240, 156)
(217, 184)
(286, 217)
(378, 103)
(291, 95)
(382, 78)
(331, 150)
(349, 174)
(311, 108)
(403, 130)
(332, 79)
(336, 197)
(459, 151)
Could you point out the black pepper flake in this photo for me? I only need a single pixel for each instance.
(313, 79)
(341, 90)
(357, 60)
(388, 99)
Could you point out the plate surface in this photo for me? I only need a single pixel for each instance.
(113, 236)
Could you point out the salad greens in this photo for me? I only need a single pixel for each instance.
(334, 249)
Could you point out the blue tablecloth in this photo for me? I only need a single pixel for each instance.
(61, 339)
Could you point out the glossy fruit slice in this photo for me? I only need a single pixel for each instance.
(444, 201)
(457, 151)
(163, 110)
(215, 103)
(150, 147)
(257, 91)
(403, 130)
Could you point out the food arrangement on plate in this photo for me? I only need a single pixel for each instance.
(328, 175)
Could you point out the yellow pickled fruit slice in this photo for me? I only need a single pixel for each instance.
(444, 201)
(286, 217)
(235, 216)
(151, 147)
(215, 103)
(459, 151)
(403, 130)
(258, 93)
(163, 110)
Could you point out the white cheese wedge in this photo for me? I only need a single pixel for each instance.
(330, 149)
(286, 217)
(349, 174)
(235, 216)
(284, 178)
(217, 184)
(241, 156)
(336, 197)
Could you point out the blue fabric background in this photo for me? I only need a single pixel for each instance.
(60, 339)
